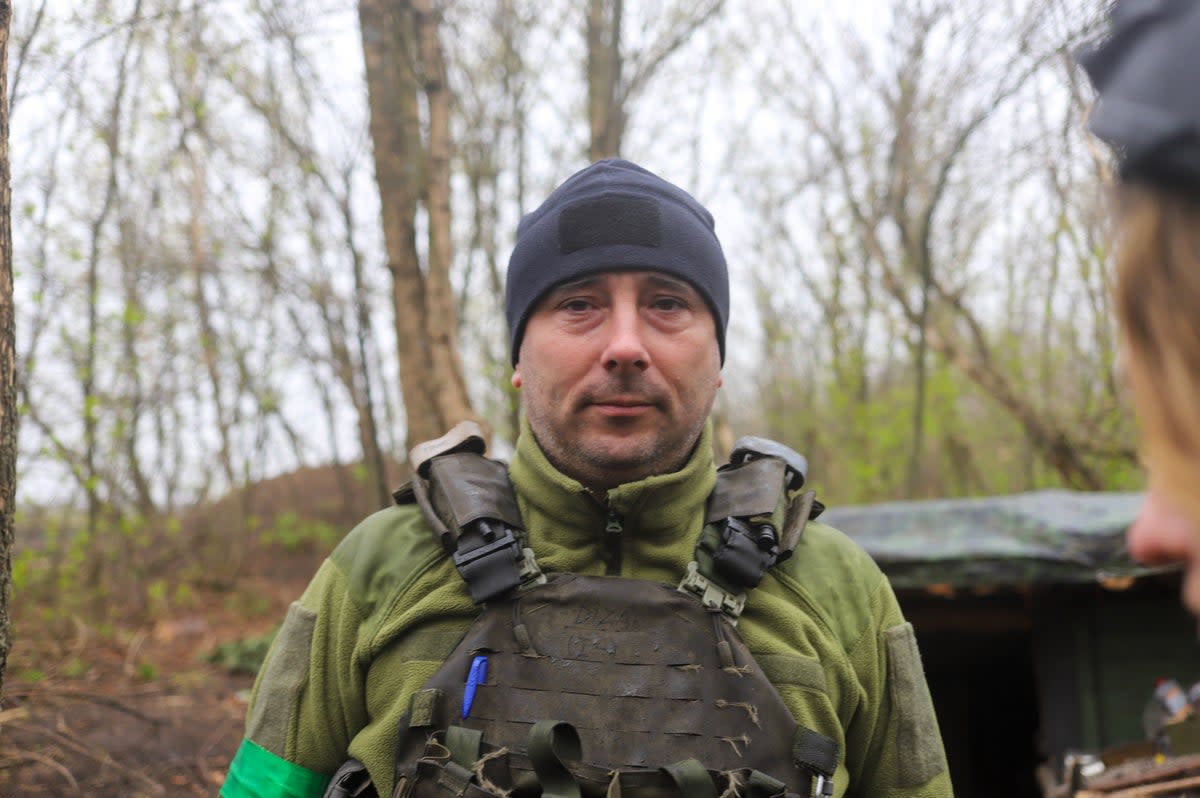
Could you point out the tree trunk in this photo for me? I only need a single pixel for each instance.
(448, 387)
(364, 400)
(131, 265)
(392, 99)
(606, 113)
(8, 359)
(400, 46)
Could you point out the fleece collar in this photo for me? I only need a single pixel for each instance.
(660, 516)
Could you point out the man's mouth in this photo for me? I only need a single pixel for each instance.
(622, 401)
(621, 406)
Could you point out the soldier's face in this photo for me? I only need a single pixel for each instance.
(618, 372)
(1162, 535)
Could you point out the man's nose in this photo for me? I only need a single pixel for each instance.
(626, 346)
(1161, 534)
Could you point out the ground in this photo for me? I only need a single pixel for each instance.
(137, 711)
(130, 706)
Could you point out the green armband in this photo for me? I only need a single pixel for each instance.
(257, 773)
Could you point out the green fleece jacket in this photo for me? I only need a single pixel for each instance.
(388, 606)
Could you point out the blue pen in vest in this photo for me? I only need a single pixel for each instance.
(475, 677)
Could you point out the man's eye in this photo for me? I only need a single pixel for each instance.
(669, 303)
(576, 305)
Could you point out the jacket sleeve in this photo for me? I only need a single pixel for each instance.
(893, 744)
(308, 700)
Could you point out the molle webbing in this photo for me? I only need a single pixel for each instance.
(641, 672)
(442, 773)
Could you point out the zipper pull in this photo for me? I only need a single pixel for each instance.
(614, 528)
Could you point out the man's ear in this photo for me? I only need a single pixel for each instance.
(516, 377)
(720, 380)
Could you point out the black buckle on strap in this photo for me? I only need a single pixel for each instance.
(490, 567)
(745, 553)
(351, 781)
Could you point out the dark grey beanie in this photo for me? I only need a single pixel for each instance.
(1147, 73)
(614, 215)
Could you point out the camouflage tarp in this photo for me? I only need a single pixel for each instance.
(1046, 537)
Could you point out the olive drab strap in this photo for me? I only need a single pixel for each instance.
(819, 754)
(551, 745)
(691, 779)
(741, 537)
(464, 745)
(468, 501)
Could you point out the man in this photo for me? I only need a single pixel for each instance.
(587, 672)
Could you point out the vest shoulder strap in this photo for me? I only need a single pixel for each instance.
(469, 503)
(755, 518)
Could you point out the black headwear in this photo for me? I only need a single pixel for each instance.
(1147, 73)
(615, 215)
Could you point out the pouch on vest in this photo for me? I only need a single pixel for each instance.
(468, 501)
(756, 516)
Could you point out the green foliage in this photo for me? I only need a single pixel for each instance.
(25, 564)
(855, 423)
(190, 680)
(133, 315)
(156, 594)
(74, 668)
(126, 569)
(243, 656)
(247, 603)
(183, 595)
(292, 532)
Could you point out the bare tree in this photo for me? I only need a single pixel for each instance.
(606, 111)
(442, 321)
(147, 219)
(617, 74)
(497, 84)
(912, 151)
(202, 218)
(405, 67)
(8, 357)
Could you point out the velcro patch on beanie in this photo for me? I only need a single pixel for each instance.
(600, 221)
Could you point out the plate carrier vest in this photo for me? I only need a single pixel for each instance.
(574, 685)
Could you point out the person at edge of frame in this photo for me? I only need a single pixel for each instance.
(1147, 74)
(590, 673)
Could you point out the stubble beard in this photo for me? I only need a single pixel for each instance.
(600, 465)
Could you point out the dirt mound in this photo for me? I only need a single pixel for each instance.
(137, 710)
(334, 495)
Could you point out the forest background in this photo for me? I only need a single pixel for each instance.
(259, 251)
